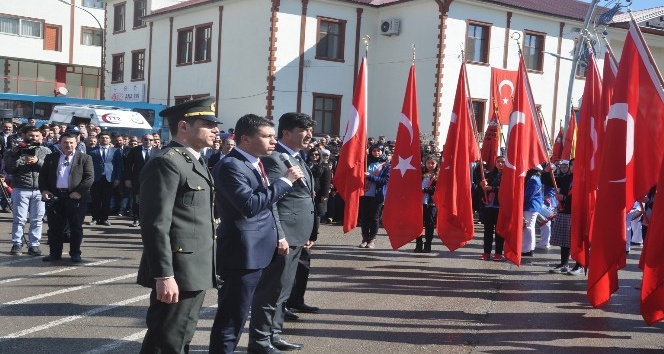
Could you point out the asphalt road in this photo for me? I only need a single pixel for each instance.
(372, 301)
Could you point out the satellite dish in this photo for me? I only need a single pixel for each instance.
(63, 91)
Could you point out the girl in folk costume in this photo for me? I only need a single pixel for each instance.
(429, 179)
(376, 176)
(489, 214)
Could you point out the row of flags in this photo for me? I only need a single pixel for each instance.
(608, 177)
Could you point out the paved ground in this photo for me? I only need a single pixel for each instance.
(373, 301)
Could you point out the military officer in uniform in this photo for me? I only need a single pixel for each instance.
(177, 228)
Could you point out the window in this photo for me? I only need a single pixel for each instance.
(137, 64)
(185, 45)
(533, 46)
(326, 113)
(140, 7)
(203, 43)
(119, 17)
(330, 43)
(117, 70)
(477, 43)
(98, 4)
(91, 36)
(52, 38)
(479, 107)
(21, 27)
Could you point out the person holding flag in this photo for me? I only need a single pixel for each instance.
(489, 214)
(376, 177)
(429, 180)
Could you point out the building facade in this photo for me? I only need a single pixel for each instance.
(51, 47)
(271, 57)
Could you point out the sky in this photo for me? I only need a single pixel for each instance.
(636, 4)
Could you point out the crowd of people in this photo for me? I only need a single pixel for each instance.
(239, 211)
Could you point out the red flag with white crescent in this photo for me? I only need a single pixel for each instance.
(583, 193)
(569, 142)
(503, 83)
(558, 146)
(637, 110)
(349, 176)
(402, 212)
(453, 193)
(524, 152)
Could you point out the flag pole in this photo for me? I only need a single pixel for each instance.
(366, 40)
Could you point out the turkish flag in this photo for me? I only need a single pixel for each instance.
(491, 141)
(402, 212)
(634, 128)
(524, 151)
(453, 193)
(652, 286)
(583, 193)
(569, 143)
(609, 74)
(349, 177)
(558, 146)
(502, 91)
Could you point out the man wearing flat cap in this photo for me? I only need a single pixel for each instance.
(177, 228)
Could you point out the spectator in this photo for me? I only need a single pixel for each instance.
(5, 195)
(108, 166)
(429, 180)
(376, 176)
(489, 213)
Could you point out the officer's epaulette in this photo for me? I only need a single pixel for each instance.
(181, 152)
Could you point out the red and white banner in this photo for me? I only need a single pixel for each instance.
(630, 166)
(453, 191)
(349, 177)
(524, 152)
(503, 84)
(402, 212)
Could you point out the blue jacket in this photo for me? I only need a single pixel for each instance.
(533, 198)
(116, 162)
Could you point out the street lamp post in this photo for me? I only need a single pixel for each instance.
(101, 28)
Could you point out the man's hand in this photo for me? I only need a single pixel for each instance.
(294, 173)
(30, 159)
(282, 247)
(309, 244)
(75, 195)
(46, 196)
(167, 291)
(116, 183)
(128, 184)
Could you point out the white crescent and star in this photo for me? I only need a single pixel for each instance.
(515, 118)
(621, 111)
(510, 85)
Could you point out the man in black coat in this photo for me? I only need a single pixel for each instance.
(134, 161)
(64, 181)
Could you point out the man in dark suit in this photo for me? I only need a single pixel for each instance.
(247, 234)
(177, 228)
(133, 164)
(295, 222)
(64, 181)
(108, 166)
(8, 137)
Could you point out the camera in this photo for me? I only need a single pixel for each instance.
(29, 149)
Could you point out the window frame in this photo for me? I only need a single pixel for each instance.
(341, 39)
(482, 119)
(138, 18)
(179, 46)
(19, 26)
(114, 74)
(124, 17)
(101, 37)
(485, 48)
(336, 119)
(134, 65)
(208, 56)
(539, 51)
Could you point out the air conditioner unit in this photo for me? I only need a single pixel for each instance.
(390, 27)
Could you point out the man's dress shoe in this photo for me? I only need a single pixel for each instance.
(290, 316)
(281, 344)
(305, 308)
(268, 350)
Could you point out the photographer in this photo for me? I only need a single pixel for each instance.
(24, 161)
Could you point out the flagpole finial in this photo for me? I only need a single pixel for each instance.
(413, 47)
(366, 40)
(516, 36)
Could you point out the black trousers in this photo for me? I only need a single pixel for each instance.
(63, 213)
(101, 192)
(301, 279)
(369, 215)
(490, 218)
(171, 326)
